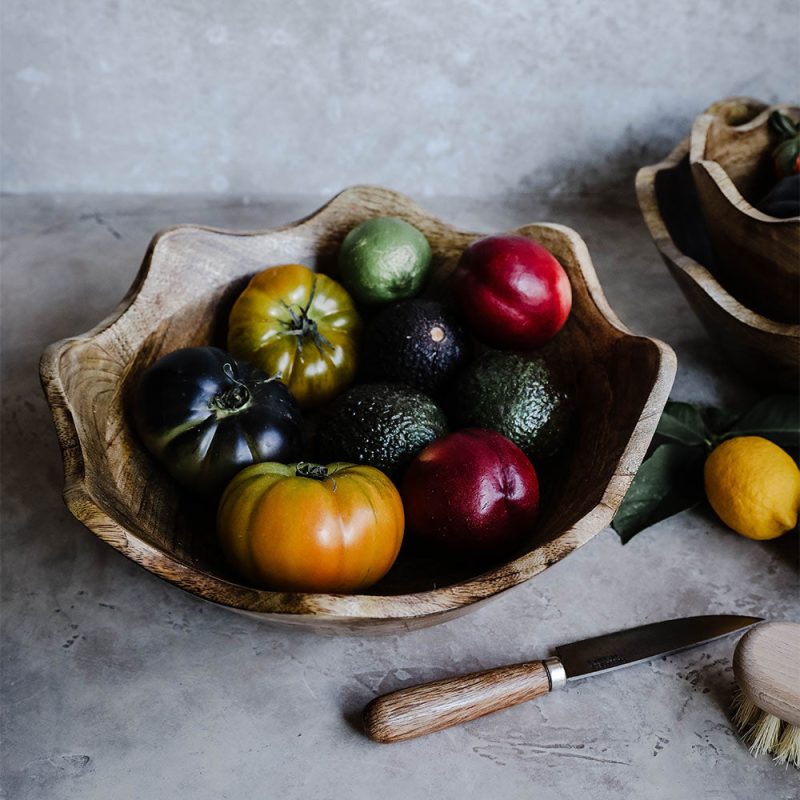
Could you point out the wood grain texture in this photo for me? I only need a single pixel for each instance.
(766, 664)
(429, 707)
(758, 255)
(764, 351)
(181, 296)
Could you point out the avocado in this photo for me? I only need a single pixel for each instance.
(380, 424)
(416, 342)
(517, 395)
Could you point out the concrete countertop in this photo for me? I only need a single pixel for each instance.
(118, 685)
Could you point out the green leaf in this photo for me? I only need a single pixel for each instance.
(720, 420)
(782, 124)
(669, 481)
(776, 418)
(683, 423)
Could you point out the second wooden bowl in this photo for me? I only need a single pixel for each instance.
(758, 256)
(181, 297)
(764, 351)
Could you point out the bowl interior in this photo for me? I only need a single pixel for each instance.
(743, 148)
(188, 282)
(682, 215)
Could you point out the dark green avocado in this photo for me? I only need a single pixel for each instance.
(518, 396)
(417, 342)
(383, 425)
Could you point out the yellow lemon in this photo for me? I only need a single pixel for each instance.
(754, 487)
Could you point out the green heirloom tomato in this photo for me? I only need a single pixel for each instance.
(300, 326)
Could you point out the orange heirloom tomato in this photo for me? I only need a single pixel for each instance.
(300, 327)
(309, 528)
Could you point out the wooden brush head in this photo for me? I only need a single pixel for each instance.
(766, 664)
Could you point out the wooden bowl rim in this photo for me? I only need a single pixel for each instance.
(322, 606)
(697, 272)
(698, 140)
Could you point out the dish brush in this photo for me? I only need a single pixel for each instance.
(766, 664)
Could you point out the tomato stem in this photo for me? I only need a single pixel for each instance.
(315, 471)
(233, 399)
(300, 323)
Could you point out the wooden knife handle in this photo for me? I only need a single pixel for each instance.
(430, 707)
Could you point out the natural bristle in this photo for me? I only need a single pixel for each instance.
(787, 751)
(764, 734)
(745, 711)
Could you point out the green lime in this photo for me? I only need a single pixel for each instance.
(384, 259)
(518, 396)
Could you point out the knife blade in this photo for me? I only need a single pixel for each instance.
(634, 645)
(422, 709)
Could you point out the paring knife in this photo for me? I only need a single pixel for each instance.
(430, 707)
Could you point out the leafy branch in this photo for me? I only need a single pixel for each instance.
(670, 479)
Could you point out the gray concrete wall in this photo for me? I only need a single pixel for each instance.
(457, 98)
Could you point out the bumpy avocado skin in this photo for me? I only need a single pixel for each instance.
(383, 425)
(515, 395)
(417, 342)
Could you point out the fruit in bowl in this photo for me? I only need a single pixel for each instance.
(300, 327)
(517, 395)
(786, 154)
(121, 494)
(421, 343)
(384, 259)
(381, 424)
(306, 527)
(512, 291)
(345, 537)
(206, 416)
(472, 492)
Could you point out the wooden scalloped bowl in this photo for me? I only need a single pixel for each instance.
(758, 256)
(181, 296)
(764, 351)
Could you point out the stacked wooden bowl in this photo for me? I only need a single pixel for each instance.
(738, 267)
